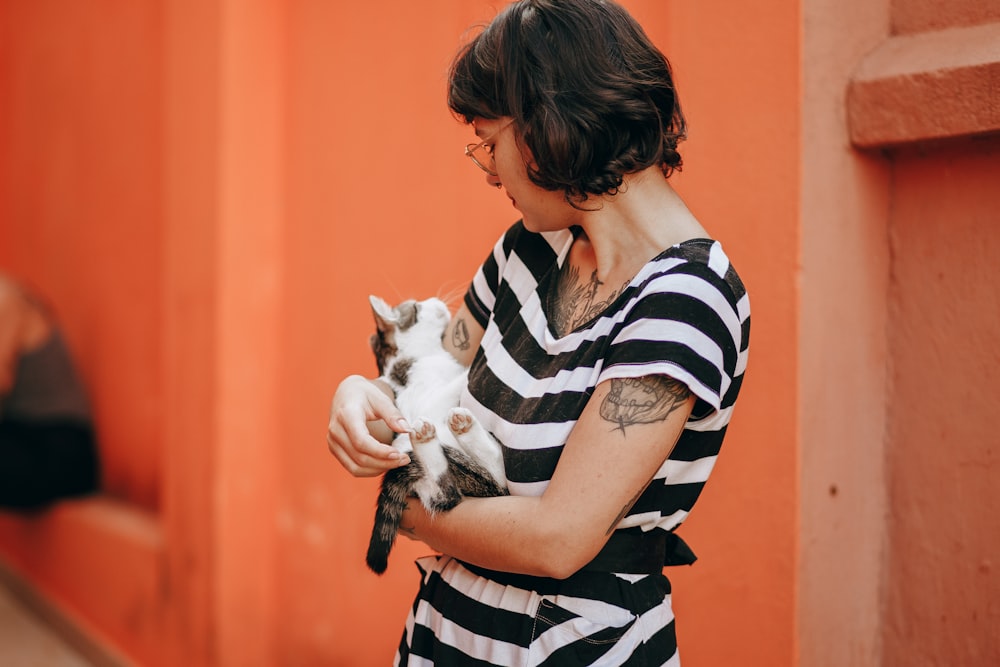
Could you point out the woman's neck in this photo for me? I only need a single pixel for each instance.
(632, 227)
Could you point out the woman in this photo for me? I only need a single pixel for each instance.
(47, 449)
(606, 336)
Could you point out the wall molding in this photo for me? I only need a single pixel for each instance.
(927, 87)
(52, 561)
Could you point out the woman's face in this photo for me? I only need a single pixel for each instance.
(542, 210)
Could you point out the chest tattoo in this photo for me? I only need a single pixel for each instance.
(576, 301)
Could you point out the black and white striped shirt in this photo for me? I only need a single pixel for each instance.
(685, 314)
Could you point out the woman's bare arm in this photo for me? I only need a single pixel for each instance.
(463, 336)
(608, 461)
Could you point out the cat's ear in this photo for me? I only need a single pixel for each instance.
(385, 316)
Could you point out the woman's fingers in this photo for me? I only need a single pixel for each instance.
(358, 408)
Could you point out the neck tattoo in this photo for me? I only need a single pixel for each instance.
(576, 301)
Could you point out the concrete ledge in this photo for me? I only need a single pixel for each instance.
(926, 88)
(92, 569)
(53, 621)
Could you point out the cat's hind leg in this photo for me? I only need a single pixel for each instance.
(436, 489)
(476, 441)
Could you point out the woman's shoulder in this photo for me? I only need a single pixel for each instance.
(702, 259)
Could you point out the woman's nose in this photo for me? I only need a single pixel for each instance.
(494, 180)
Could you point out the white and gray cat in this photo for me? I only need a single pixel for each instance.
(451, 454)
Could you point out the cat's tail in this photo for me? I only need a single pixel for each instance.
(388, 513)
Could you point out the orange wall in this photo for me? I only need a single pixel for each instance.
(737, 66)
(213, 190)
(82, 208)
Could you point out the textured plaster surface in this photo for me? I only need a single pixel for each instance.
(929, 86)
(943, 592)
(843, 286)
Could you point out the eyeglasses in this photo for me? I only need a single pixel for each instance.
(482, 153)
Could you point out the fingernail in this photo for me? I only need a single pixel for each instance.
(403, 424)
(404, 461)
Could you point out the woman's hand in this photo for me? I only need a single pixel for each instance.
(363, 417)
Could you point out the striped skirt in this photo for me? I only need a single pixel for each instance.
(467, 616)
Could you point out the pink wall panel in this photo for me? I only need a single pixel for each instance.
(944, 451)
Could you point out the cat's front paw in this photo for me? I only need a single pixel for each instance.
(460, 421)
(423, 432)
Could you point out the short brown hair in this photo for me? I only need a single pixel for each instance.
(591, 96)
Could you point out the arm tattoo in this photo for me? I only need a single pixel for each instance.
(460, 334)
(643, 400)
(625, 509)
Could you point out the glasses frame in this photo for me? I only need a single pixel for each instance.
(470, 151)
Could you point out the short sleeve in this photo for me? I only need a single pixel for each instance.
(684, 323)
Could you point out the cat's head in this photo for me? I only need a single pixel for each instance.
(411, 329)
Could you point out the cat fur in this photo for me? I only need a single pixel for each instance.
(451, 454)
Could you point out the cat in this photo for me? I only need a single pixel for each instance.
(451, 454)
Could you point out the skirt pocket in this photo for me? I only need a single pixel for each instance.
(573, 634)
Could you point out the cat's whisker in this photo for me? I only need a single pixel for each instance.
(395, 290)
(452, 297)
